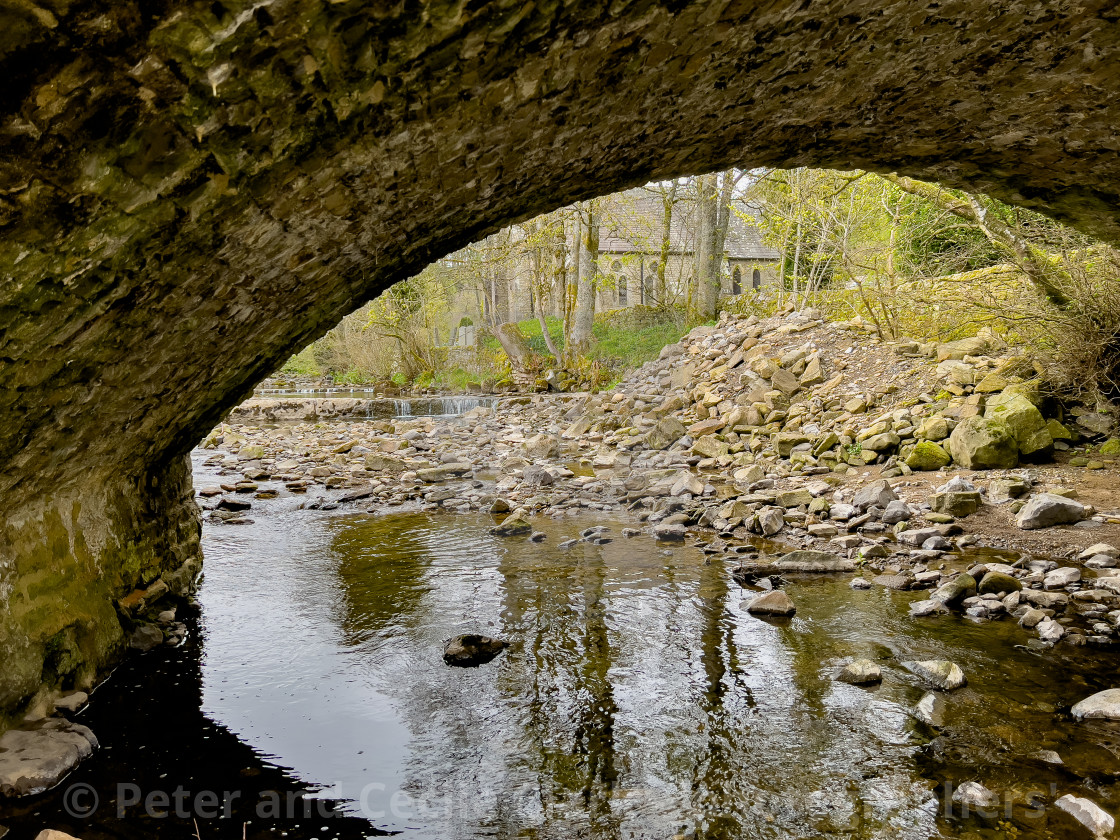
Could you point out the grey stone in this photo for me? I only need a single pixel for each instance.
(931, 709)
(861, 672)
(1046, 510)
(877, 493)
(145, 638)
(1060, 578)
(35, 760)
(939, 672)
(776, 602)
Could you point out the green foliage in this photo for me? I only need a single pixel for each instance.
(303, 363)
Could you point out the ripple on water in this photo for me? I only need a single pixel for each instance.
(638, 698)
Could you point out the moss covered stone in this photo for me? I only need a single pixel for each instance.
(927, 456)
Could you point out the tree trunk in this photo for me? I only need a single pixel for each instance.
(704, 297)
(517, 349)
(548, 342)
(668, 199)
(583, 316)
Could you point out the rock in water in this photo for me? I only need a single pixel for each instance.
(931, 710)
(861, 672)
(51, 834)
(975, 795)
(471, 650)
(513, 525)
(1047, 509)
(669, 532)
(939, 672)
(996, 582)
(772, 603)
(1104, 705)
(1088, 813)
(956, 590)
(34, 760)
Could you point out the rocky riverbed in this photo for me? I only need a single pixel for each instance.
(783, 450)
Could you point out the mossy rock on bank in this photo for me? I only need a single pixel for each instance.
(927, 456)
(1015, 410)
(979, 443)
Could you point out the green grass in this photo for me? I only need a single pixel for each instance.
(631, 348)
(624, 339)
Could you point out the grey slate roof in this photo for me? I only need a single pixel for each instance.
(632, 223)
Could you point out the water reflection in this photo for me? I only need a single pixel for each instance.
(637, 699)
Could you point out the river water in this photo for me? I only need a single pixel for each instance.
(638, 699)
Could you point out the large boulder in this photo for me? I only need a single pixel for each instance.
(927, 456)
(1025, 421)
(1046, 510)
(982, 444)
(541, 446)
(34, 760)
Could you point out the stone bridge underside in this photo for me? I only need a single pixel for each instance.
(189, 192)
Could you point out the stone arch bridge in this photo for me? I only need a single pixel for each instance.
(189, 191)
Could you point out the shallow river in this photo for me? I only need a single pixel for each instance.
(638, 698)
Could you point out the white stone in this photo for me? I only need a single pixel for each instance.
(1104, 705)
(939, 672)
(1088, 813)
(975, 795)
(1061, 577)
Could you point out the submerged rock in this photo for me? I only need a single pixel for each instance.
(939, 672)
(471, 649)
(975, 795)
(861, 672)
(35, 760)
